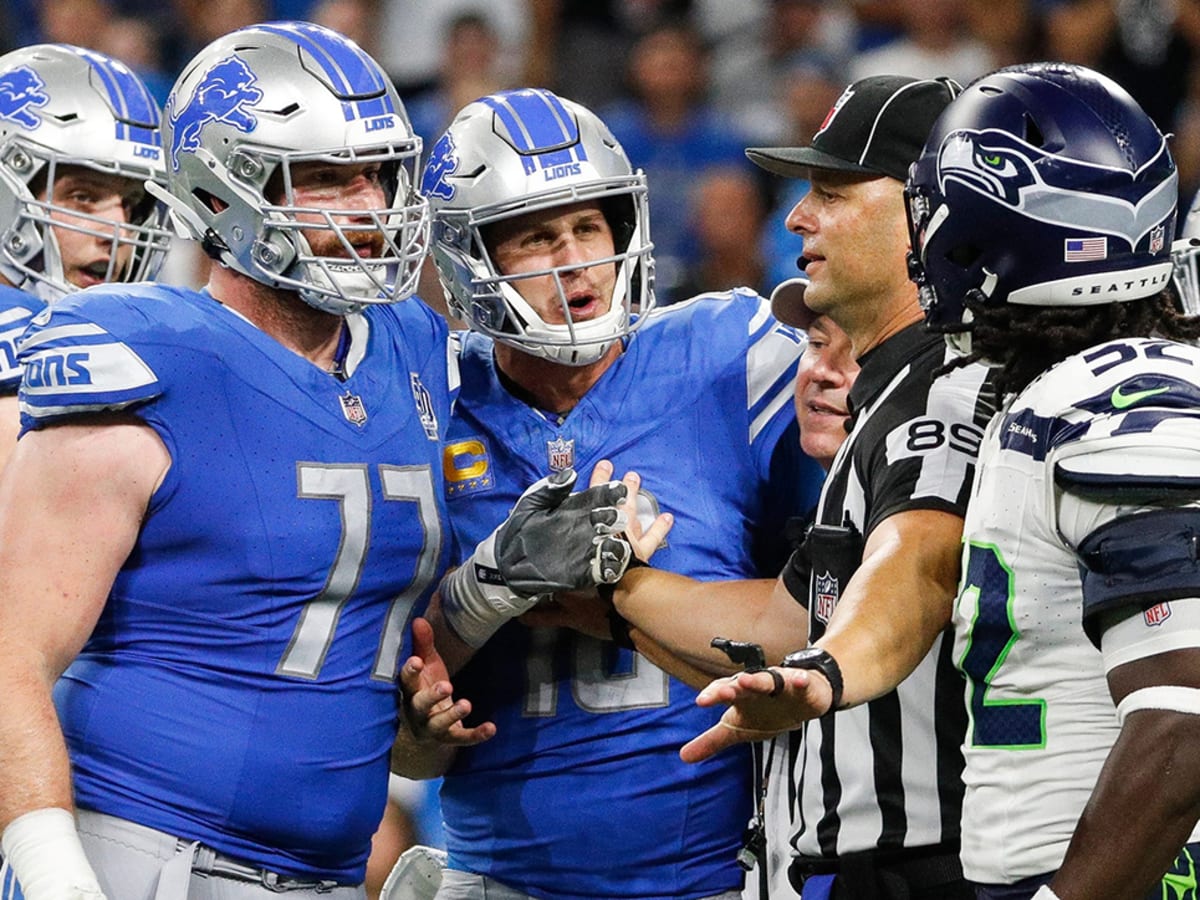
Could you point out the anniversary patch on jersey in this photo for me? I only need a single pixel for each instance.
(467, 467)
(424, 406)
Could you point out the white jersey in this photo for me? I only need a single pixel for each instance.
(1125, 414)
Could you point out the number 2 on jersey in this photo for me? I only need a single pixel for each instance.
(1011, 724)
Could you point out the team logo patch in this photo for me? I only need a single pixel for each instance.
(20, 90)
(353, 409)
(560, 454)
(221, 96)
(467, 467)
(825, 597)
(443, 161)
(424, 404)
(1157, 614)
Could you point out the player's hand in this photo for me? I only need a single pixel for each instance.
(553, 540)
(761, 705)
(430, 710)
(647, 529)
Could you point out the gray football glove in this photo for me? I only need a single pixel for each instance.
(552, 540)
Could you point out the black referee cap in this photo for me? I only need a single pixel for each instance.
(877, 127)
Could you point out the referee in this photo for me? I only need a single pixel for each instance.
(876, 790)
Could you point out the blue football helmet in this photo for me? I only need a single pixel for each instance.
(1041, 185)
(525, 151)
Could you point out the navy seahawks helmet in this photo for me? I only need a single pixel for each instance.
(524, 151)
(1041, 185)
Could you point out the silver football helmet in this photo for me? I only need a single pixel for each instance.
(251, 107)
(65, 106)
(523, 151)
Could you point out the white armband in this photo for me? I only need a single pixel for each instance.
(1044, 893)
(1163, 696)
(42, 848)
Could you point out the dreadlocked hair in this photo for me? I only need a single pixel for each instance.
(1022, 342)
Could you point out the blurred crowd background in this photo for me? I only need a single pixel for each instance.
(685, 85)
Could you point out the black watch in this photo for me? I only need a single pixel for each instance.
(816, 658)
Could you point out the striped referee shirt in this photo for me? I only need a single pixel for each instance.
(887, 774)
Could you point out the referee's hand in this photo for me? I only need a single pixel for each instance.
(761, 705)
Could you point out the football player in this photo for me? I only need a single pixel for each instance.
(79, 136)
(541, 238)
(1042, 214)
(227, 503)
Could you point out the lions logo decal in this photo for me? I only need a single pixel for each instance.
(1034, 184)
(20, 90)
(221, 96)
(442, 162)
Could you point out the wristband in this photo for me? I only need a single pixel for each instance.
(820, 660)
(1044, 893)
(42, 848)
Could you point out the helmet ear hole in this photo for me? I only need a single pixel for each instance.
(1033, 134)
(964, 255)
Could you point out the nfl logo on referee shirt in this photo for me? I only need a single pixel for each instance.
(561, 454)
(825, 597)
(424, 406)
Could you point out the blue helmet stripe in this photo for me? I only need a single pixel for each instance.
(129, 97)
(535, 119)
(351, 71)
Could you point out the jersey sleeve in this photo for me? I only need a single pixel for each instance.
(793, 481)
(74, 363)
(17, 310)
(1128, 505)
(930, 456)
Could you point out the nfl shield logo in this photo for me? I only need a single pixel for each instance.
(1157, 614)
(424, 406)
(561, 454)
(1158, 237)
(353, 409)
(825, 597)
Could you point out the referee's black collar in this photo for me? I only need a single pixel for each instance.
(879, 365)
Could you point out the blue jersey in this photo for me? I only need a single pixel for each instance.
(239, 688)
(17, 308)
(582, 793)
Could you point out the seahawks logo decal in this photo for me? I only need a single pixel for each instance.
(1040, 186)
